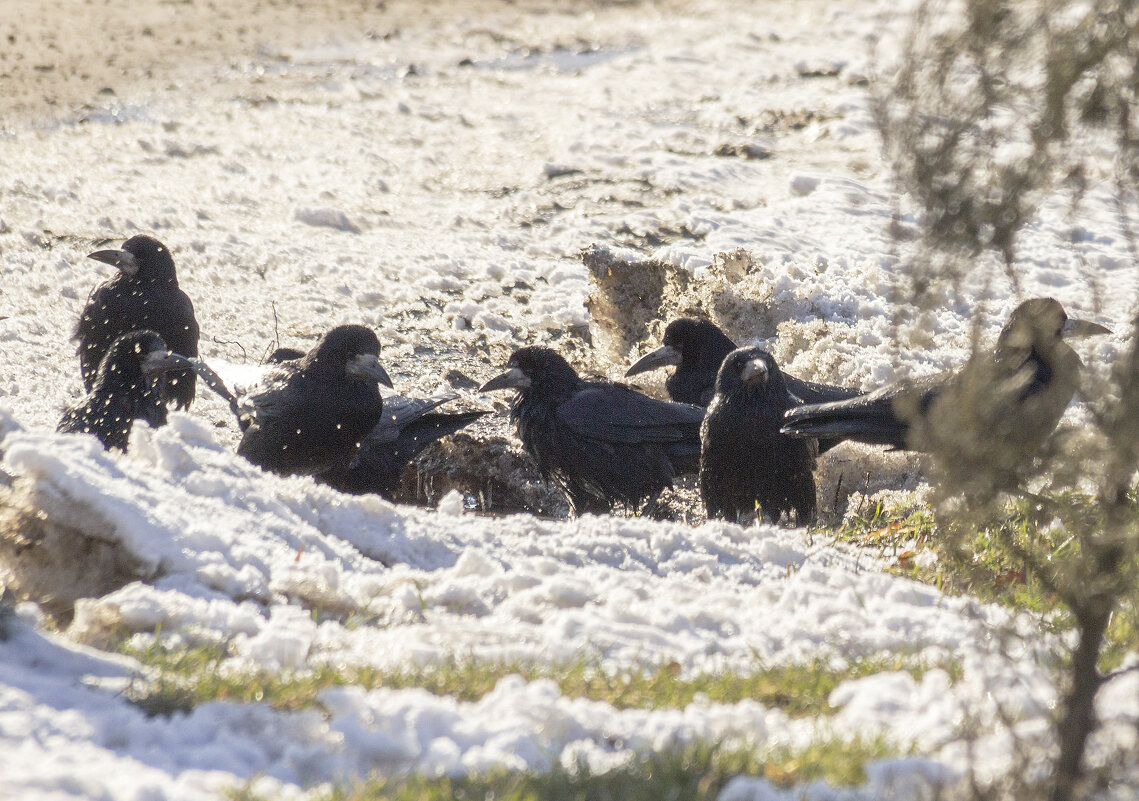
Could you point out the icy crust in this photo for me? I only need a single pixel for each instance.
(256, 560)
(438, 184)
(447, 205)
(64, 716)
(238, 556)
(69, 726)
(227, 552)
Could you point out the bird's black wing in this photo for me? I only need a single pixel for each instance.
(407, 426)
(428, 428)
(181, 334)
(616, 413)
(401, 412)
(95, 329)
(110, 411)
(811, 392)
(872, 418)
(183, 326)
(299, 422)
(267, 400)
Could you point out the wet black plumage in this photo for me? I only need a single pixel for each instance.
(874, 418)
(600, 442)
(697, 347)
(142, 295)
(127, 387)
(406, 427)
(309, 415)
(1011, 397)
(744, 460)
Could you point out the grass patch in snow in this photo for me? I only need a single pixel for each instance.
(972, 562)
(977, 568)
(181, 679)
(695, 772)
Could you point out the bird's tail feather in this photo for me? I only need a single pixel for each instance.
(833, 422)
(437, 425)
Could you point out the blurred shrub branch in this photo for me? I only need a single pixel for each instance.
(997, 107)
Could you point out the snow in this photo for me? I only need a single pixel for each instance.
(436, 177)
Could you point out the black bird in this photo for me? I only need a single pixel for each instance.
(127, 387)
(309, 415)
(143, 295)
(406, 427)
(744, 461)
(600, 442)
(698, 348)
(999, 405)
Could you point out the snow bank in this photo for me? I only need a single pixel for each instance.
(277, 568)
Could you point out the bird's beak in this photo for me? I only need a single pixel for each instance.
(158, 362)
(122, 259)
(1083, 328)
(754, 372)
(661, 357)
(367, 365)
(511, 379)
(214, 382)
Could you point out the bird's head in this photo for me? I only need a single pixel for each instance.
(751, 370)
(687, 341)
(534, 367)
(142, 258)
(1041, 324)
(139, 354)
(351, 349)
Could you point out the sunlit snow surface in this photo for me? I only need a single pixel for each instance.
(439, 185)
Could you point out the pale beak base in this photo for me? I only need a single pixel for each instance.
(124, 260)
(1083, 328)
(663, 356)
(367, 366)
(754, 372)
(158, 362)
(513, 378)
